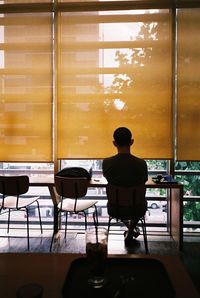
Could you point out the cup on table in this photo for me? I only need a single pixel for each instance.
(96, 251)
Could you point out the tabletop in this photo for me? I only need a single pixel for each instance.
(50, 270)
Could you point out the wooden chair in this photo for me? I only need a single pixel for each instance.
(72, 192)
(12, 188)
(124, 203)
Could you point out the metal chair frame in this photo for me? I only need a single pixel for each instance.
(73, 190)
(120, 196)
(11, 188)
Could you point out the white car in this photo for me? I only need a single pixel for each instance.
(155, 204)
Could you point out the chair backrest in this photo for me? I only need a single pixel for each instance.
(71, 187)
(123, 202)
(14, 185)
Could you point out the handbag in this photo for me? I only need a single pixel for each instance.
(75, 172)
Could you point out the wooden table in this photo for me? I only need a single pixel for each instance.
(175, 203)
(50, 270)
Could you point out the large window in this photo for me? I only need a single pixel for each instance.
(71, 72)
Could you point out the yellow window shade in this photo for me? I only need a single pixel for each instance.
(114, 70)
(188, 105)
(26, 87)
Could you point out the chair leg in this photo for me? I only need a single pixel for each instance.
(66, 224)
(8, 227)
(96, 215)
(55, 231)
(39, 216)
(85, 220)
(52, 241)
(145, 235)
(109, 221)
(27, 221)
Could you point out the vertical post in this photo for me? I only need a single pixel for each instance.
(171, 163)
(55, 29)
(174, 86)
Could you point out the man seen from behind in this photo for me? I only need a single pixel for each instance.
(126, 170)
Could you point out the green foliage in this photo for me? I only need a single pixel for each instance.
(191, 211)
(187, 166)
(156, 165)
(191, 184)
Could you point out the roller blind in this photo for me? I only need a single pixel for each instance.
(188, 105)
(26, 87)
(115, 69)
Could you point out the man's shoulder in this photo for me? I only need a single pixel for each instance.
(108, 162)
(109, 158)
(140, 163)
(124, 158)
(141, 160)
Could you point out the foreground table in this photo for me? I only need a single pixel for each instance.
(50, 270)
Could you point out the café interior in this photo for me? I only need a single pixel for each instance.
(71, 72)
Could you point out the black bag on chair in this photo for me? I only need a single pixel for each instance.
(75, 172)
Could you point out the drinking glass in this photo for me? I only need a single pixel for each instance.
(96, 250)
